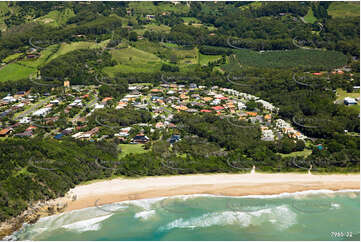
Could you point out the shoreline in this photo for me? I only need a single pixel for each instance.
(124, 189)
(121, 189)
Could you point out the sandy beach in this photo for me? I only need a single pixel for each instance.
(119, 189)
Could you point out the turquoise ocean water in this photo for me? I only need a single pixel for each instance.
(311, 215)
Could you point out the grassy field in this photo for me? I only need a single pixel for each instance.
(341, 94)
(204, 59)
(23, 68)
(56, 18)
(150, 8)
(133, 60)
(286, 59)
(344, 9)
(191, 19)
(304, 153)
(153, 27)
(131, 148)
(14, 72)
(66, 48)
(310, 18)
(12, 57)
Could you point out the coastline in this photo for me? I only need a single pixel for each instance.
(114, 190)
(123, 189)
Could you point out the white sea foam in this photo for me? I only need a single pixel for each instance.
(144, 215)
(335, 205)
(86, 225)
(281, 195)
(282, 216)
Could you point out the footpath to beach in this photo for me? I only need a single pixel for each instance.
(121, 189)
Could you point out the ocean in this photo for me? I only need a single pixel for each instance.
(309, 215)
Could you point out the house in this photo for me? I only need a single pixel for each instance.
(121, 105)
(55, 102)
(267, 135)
(31, 128)
(5, 132)
(58, 136)
(252, 114)
(149, 17)
(193, 85)
(205, 111)
(140, 139)
(174, 138)
(207, 99)
(41, 112)
(106, 99)
(155, 90)
(76, 103)
(349, 101)
(182, 107)
(9, 99)
(67, 131)
(98, 106)
(24, 134)
(25, 120)
(159, 125)
(217, 108)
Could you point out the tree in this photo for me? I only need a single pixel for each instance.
(251, 105)
(133, 36)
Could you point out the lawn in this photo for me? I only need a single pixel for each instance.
(304, 153)
(344, 9)
(310, 18)
(130, 148)
(341, 94)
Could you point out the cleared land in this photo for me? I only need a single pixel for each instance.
(310, 18)
(344, 9)
(205, 59)
(341, 94)
(131, 149)
(133, 60)
(157, 8)
(23, 68)
(14, 72)
(56, 18)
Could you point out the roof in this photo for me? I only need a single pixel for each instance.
(106, 99)
(253, 114)
(5, 131)
(206, 111)
(218, 108)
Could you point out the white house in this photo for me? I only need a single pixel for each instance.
(349, 101)
(41, 112)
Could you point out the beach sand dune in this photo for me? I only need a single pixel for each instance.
(120, 189)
